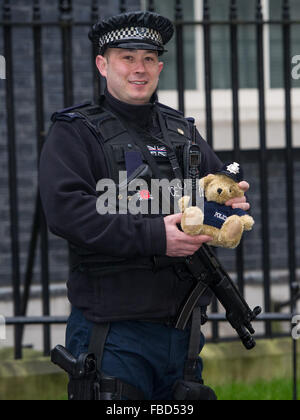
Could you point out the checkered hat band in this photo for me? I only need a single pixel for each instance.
(133, 33)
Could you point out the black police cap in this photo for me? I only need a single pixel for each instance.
(134, 30)
(233, 171)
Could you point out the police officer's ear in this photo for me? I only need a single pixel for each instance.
(101, 63)
(161, 66)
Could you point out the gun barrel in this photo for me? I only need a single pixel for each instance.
(246, 338)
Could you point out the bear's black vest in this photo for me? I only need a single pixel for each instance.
(116, 142)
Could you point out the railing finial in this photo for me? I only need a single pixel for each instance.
(151, 5)
(36, 10)
(286, 10)
(65, 10)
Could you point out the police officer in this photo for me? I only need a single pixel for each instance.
(123, 306)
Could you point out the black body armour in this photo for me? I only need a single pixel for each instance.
(115, 289)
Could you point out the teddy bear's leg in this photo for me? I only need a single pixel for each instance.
(213, 232)
(231, 233)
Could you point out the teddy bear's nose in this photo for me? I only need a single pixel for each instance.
(220, 191)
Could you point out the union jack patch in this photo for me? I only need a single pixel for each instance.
(158, 151)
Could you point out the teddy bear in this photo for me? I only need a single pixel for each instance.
(223, 223)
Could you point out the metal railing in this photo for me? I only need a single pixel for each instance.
(66, 24)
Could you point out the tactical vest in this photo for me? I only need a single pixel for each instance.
(117, 142)
(121, 149)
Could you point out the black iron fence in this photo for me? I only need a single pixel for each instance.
(65, 25)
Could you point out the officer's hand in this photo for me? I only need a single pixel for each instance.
(240, 203)
(180, 244)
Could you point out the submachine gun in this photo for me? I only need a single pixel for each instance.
(208, 272)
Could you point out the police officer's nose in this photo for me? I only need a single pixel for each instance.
(220, 191)
(140, 67)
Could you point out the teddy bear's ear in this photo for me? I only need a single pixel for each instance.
(206, 181)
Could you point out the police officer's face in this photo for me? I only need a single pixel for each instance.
(132, 75)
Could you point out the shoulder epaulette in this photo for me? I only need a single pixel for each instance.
(169, 110)
(69, 114)
(191, 120)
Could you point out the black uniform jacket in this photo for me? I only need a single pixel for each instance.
(71, 164)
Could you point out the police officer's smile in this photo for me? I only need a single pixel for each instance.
(132, 75)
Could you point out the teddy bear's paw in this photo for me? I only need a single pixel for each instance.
(248, 222)
(183, 203)
(192, 221)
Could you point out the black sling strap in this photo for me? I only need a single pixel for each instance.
(97, 341)
(171, 153)
(193, 352)
(112, 388)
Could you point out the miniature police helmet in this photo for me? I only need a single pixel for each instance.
(134, 30)
(233, 171)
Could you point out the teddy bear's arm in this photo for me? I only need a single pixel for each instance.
(248, 222)
(183, 203)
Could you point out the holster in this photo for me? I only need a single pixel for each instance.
(84, 389)
(102, 388)
(193, 391)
